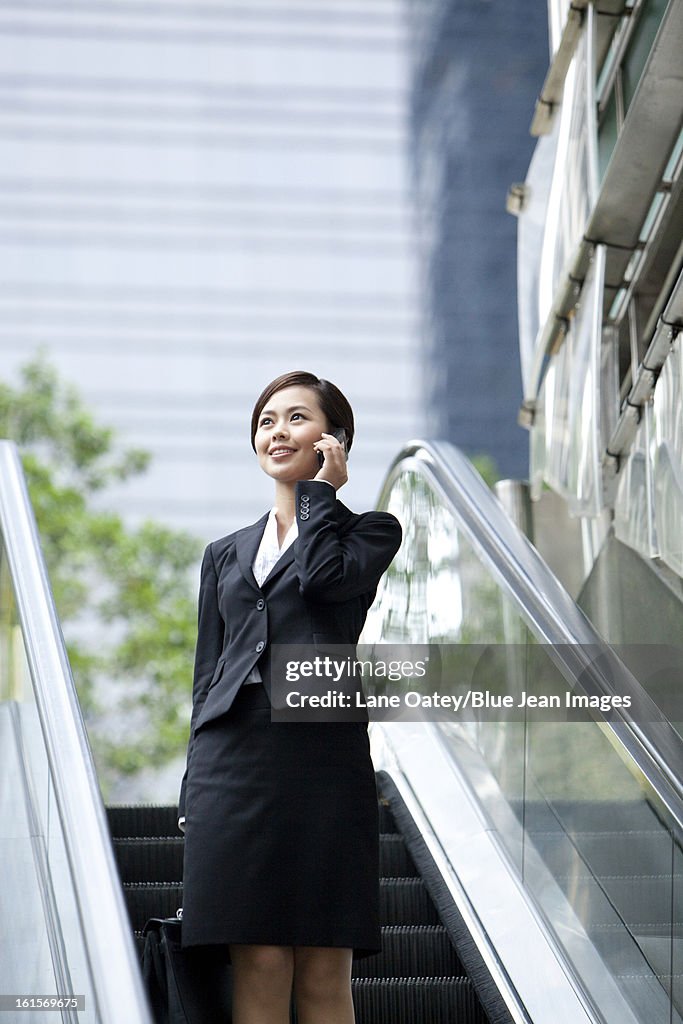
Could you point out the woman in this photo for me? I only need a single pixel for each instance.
(281, 858)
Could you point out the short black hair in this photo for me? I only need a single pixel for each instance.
(333, 403)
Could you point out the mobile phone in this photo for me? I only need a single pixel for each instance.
(340, 434)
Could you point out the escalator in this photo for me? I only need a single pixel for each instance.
(418, 976)
(532, 867)
(575, 817)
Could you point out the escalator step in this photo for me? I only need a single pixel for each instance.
(417, 978)
(405, 901)
(143, 820)
(126, 820)
(402, 901)
(423, 951)
(394, 859)
(160, 858)
(151, 899)
(417, 1001)
(149, 860)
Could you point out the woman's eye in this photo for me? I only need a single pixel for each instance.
(265, 421)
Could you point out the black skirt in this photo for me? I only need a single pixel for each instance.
(281, 832)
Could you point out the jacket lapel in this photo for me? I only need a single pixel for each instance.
(246, 546)
(283, 561)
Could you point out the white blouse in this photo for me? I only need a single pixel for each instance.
(269, 552)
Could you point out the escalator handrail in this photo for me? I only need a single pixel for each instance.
(104, 921)
(650, 743)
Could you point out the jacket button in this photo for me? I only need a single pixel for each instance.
(260, 604)
(260, 645)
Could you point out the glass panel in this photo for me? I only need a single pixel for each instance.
(670, 170)
(583, 470)
(608, 853)
(583, 828)
(25, 965)
(574, 187)
(607, 134)
(666, 459)
(67, 911)
(640, 46)
(533, 302)
(548, 443)
(437, 591)
(633, 515)
(43, 951)
(566, 452)
(562, 184)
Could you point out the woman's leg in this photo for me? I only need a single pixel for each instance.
(261, 984)
(322, 985)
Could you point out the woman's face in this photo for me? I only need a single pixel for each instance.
(287, 427)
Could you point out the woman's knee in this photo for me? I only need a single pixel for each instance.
(271, 962)
(322, 973)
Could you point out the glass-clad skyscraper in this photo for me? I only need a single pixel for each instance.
(476, 69)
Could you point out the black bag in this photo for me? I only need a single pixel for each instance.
(184, 986)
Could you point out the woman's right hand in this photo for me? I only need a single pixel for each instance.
(334, 469)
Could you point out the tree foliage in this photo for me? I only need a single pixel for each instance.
(124, 594)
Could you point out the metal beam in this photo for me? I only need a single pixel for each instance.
(553, 86)
(651, 128)
(669, 325)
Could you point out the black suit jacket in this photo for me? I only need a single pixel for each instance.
(319, 590)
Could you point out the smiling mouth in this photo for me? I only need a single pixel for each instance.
(279, 453)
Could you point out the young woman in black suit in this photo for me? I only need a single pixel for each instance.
(281, 859)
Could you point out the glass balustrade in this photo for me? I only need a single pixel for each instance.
(64, 931)
(587, 833)
(43, 945)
